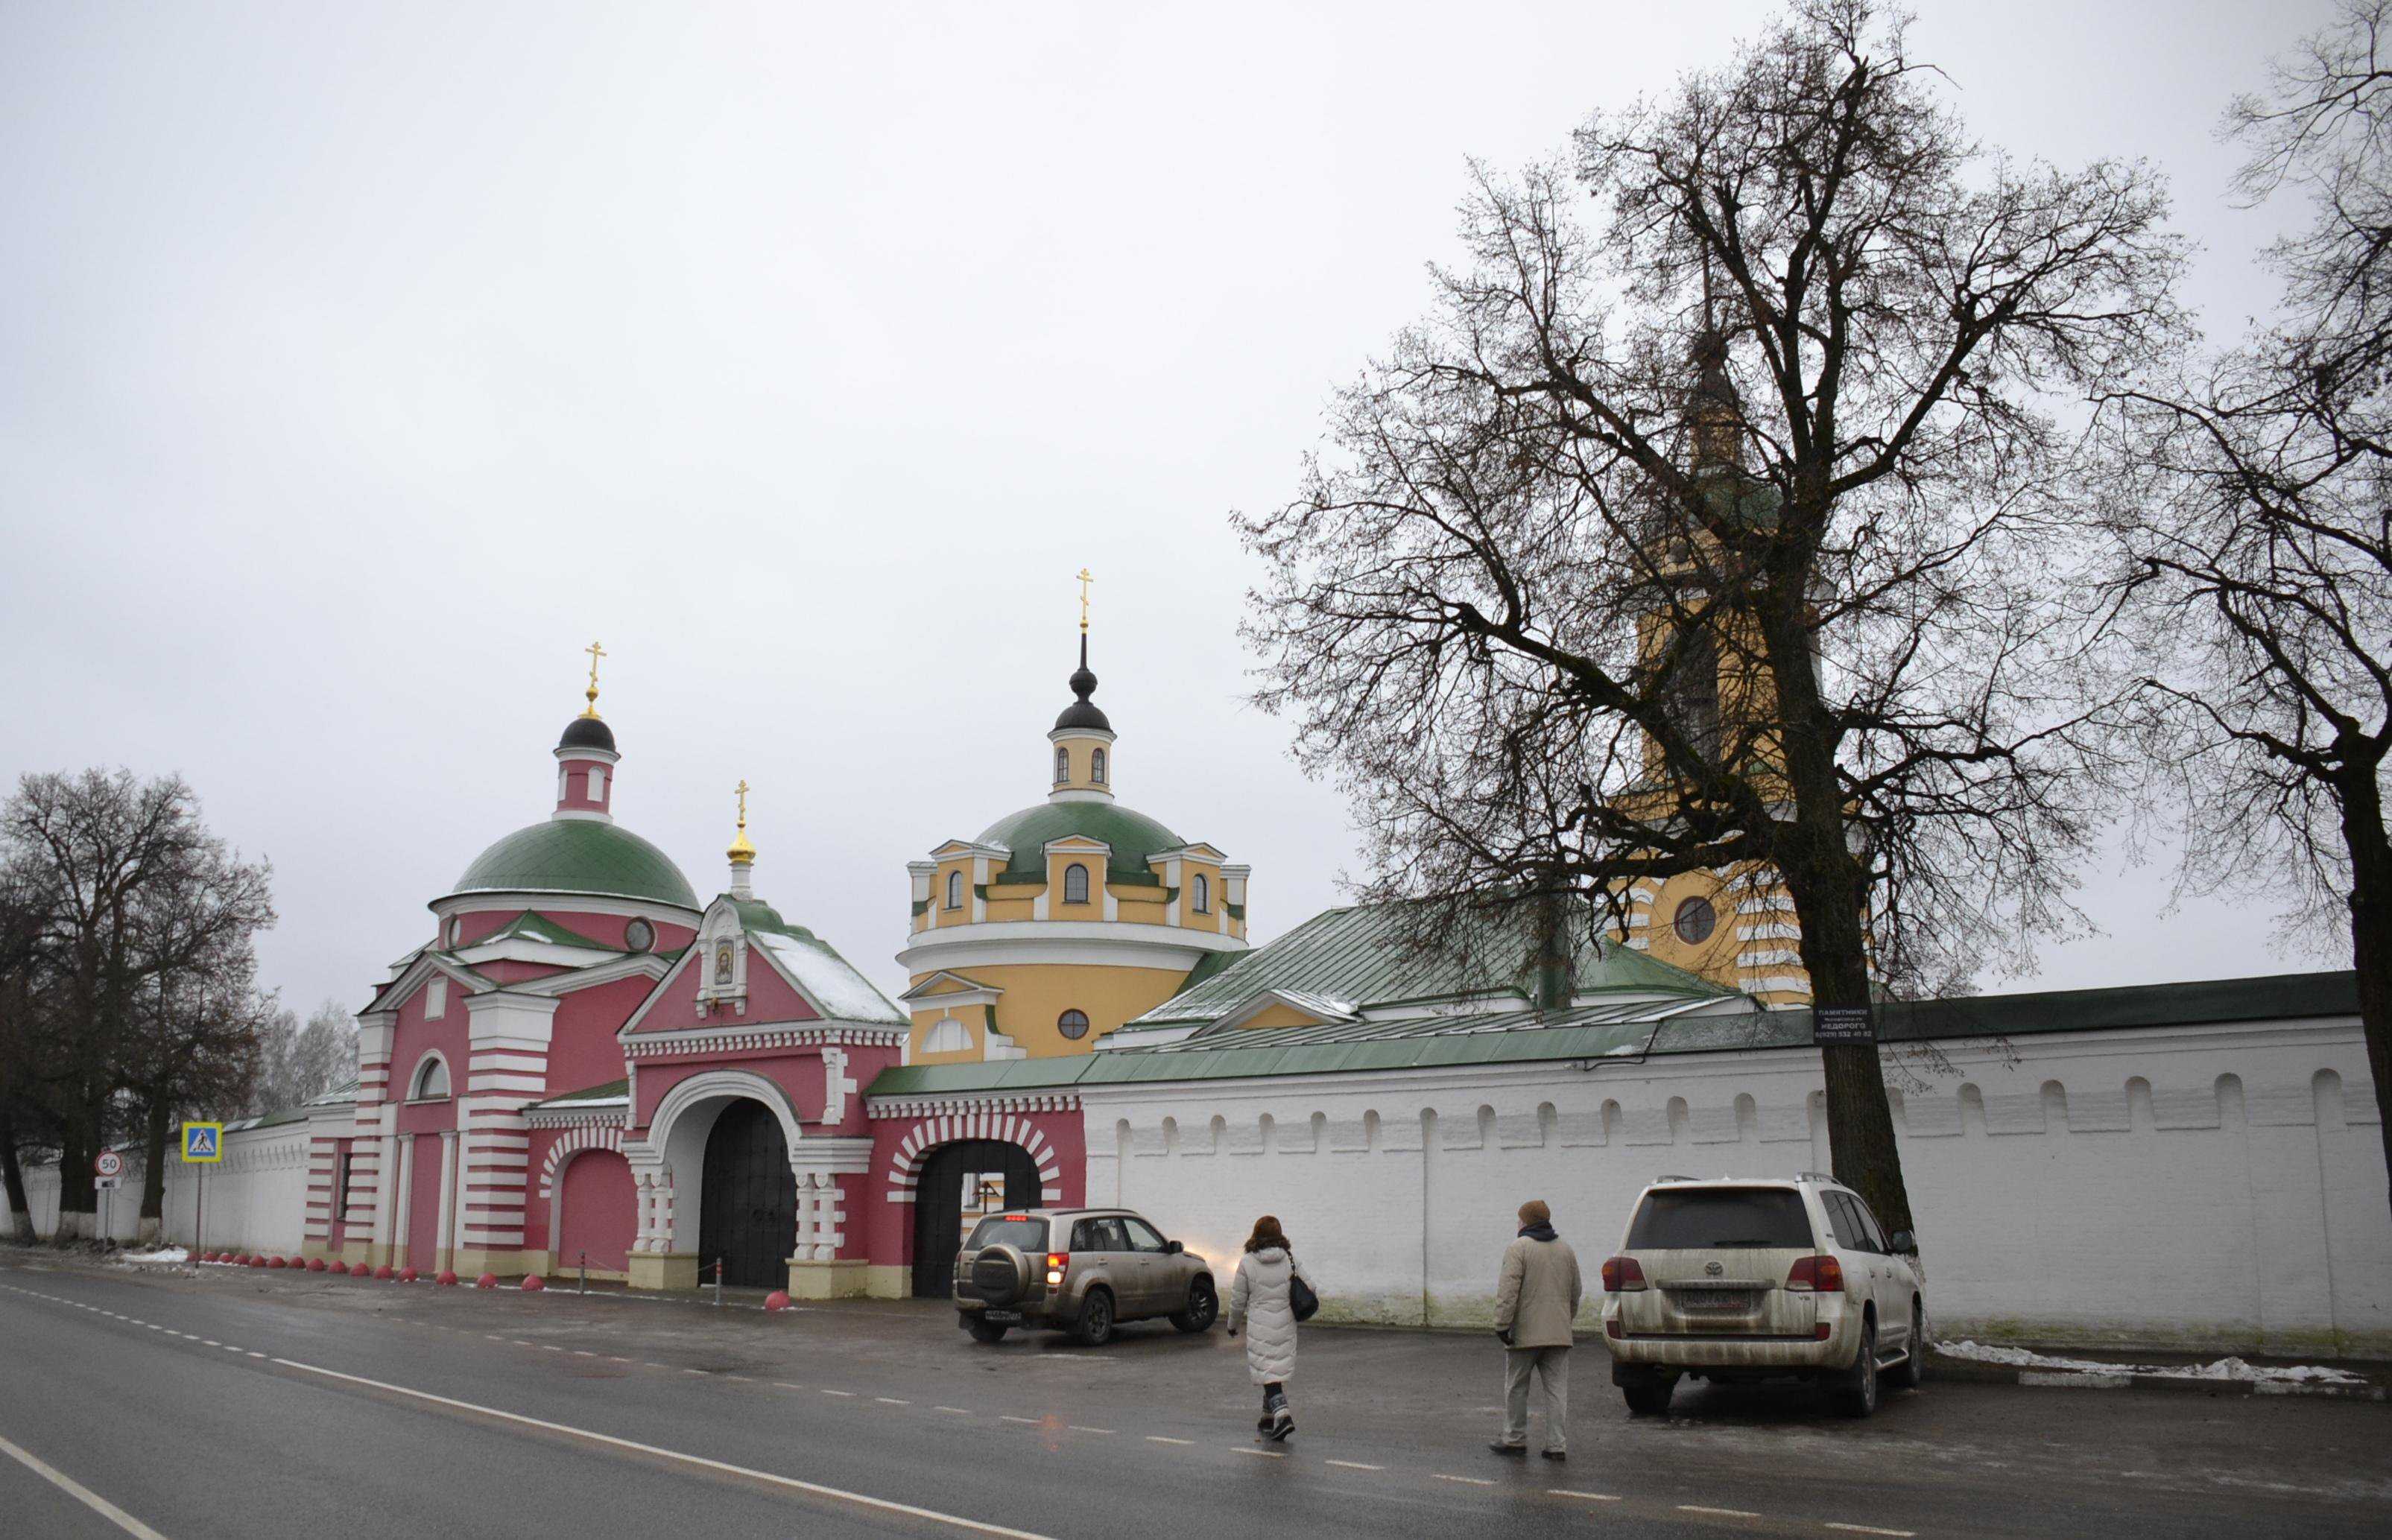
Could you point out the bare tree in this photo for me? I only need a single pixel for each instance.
(1714, 534)
(106, 857)
(2255, 521)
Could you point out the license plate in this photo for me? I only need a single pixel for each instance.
(1002, 1317)
(1712, 1299)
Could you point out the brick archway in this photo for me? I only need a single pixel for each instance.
(905, 1171)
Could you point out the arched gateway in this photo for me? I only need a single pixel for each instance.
(960, 1182)
(748, 1199)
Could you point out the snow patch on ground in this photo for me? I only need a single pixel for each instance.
(2225, 1368)
(173, 1254)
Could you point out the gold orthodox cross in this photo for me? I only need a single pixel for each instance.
(1085, 580)
(595, 653)
(743, 804)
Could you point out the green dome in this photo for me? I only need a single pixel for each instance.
(1133, 836)
(577, 855)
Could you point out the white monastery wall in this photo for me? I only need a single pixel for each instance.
(257, 1196)
(2194, 1186)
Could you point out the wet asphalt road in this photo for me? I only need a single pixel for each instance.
(235, 1404)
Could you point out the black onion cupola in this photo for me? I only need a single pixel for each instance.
(586, 758)
(1082, 739)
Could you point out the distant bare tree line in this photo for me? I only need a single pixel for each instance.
(128, 991)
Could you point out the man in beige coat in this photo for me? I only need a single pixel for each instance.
(1535, 1304)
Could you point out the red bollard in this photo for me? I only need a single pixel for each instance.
(384, 1273)
(255, 1261)
(276, 1261)
(488, 1280)
(778, 1300)
(314, 1264)
(447, 1278)
(533, 1283)
(407, 1275)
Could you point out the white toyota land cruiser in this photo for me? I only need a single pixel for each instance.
(1733, 1279)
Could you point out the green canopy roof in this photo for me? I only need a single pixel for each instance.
(577, 855)
(1133, 836)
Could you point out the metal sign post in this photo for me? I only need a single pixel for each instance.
(202, 1146)
(718, 1282)
(107, 1171)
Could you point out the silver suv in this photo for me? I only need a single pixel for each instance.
(1734, 1279)
(1078, 1269)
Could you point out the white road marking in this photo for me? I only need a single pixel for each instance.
(1872, 1529)
(583, 1352)
(1353, 1465)
(80, 1492)
(1719, 1512)
(1158, 1438)
(1466, 1481)
(211, 1341)
(785, 1385)
(1589, 1496)
(959, 1411)
(693, 1371)
(881, 1505)
(1265, 1454)
(1077, 1428)
(844, 1395)
(613, 1359)
(891, 1401)
(1032, 1421)
(257, 1355)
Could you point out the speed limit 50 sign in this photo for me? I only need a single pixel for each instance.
(108, 1163)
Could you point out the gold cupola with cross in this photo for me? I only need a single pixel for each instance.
(1044, 932)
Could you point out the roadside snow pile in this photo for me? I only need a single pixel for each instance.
(174, 1255)
(2225, 1368)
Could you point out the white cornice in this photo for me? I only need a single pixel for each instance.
(580, 815)
(606, 755)
(766, 1035)
(1078, 794)
(1100, 734)
(517, 948)
(955, 848)
(1067, 942)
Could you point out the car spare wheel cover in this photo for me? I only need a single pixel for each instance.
(999, 1276)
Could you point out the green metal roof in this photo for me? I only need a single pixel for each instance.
(1133, 836)
(532, 926)
(577, 855)
(590, 1093)
(1625, 1030)
(1360, 955)
(817, 967)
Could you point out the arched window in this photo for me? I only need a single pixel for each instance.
(597, 783)
(1097, 766)
(431, 1080)
(1072, 1025)
(956, 888)
(1075, 884)
(1204, 894)
(947, 1036)
(1063, 764)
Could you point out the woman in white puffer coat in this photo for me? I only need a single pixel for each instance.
(1259, 1306)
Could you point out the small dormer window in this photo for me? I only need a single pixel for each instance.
(1075, 884)
(1203, 891)
(955, 889)
(1063, 764)
(1097, 766)
(435, 999)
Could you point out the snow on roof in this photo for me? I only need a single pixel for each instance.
(843, 993)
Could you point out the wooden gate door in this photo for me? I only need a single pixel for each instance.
(939, 1205)
(747, 1205)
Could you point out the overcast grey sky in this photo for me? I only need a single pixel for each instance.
(360, 363)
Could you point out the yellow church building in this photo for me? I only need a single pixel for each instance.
(1063, 919)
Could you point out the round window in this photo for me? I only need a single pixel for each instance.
(639, 935)
(456, 929)
(1072, 1025)
(1694, 922)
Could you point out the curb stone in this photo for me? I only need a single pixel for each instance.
(1972, 1371)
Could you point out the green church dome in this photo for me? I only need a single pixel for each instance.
(1133, 836)
(577, 855)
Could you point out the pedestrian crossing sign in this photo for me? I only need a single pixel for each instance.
(203, 1143)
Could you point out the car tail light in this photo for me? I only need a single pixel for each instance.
(1056, 1263)
(1816, 1275)
(1614, 1330)
(1621, 1275)
(1822, 1331)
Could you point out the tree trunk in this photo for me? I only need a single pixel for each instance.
(12, 1171)
(153, 1174)
(79, 1143)
(2371, 930)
